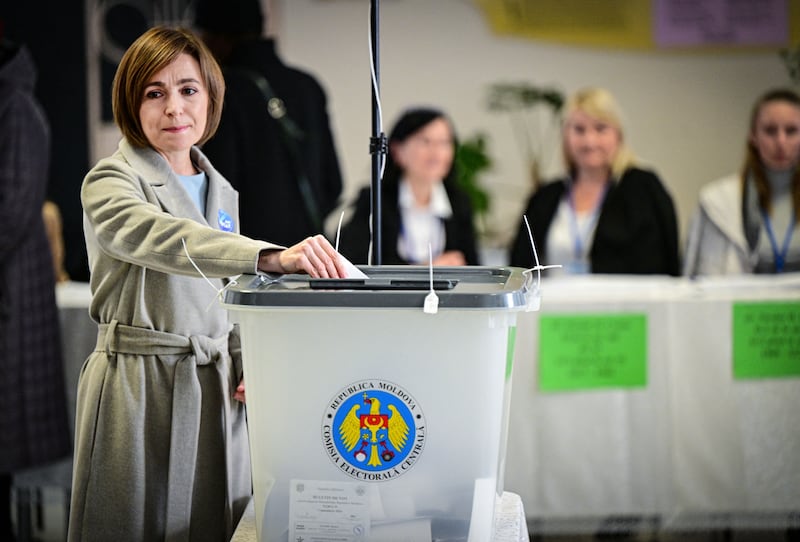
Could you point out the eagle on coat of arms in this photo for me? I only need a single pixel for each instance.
(372, 430)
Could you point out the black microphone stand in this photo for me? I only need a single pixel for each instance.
(378, 144)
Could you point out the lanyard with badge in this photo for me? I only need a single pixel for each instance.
(780, 256)
(580, 256)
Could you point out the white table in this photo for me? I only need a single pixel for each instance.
(693, 448)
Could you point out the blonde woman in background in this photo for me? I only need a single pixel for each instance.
(747, 222)
(607, 215)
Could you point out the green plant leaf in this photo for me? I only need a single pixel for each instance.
(471, 159)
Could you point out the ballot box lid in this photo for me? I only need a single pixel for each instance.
(466, 287)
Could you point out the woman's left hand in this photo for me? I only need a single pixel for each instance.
(239, 393)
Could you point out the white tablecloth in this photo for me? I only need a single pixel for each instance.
(693, 448)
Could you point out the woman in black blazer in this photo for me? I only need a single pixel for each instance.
(606, 216)
(421, 202)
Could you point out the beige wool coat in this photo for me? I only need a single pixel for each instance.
(161, 447)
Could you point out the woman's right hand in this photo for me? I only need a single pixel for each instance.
(313, 255)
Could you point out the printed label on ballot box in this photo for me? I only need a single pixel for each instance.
(324, 511)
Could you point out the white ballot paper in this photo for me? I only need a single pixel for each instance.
(324, 511)
(353, 272)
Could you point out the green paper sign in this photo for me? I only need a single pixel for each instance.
(766, 339)
(592, 351)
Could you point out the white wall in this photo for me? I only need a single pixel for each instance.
(687, 112)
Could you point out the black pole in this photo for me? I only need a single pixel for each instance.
(378, 139)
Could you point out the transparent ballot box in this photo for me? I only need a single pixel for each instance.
(370, 418)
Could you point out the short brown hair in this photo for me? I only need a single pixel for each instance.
(151, 52)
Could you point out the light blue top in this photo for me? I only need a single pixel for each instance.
(196, 186)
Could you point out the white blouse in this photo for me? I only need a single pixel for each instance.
(422, 225)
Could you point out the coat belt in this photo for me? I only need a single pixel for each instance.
(115, 338)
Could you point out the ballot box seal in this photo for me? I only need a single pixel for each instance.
(374, 430)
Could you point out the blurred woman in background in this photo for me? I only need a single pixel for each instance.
(607, 215)
(421, 202)
(747, 222)
(34, 429)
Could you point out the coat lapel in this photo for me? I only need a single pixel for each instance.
(222, 201)
(172, 197)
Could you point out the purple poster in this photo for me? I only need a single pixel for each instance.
(681, 23)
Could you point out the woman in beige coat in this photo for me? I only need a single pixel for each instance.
(161, 445)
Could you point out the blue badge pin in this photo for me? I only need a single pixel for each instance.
(225, 221)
